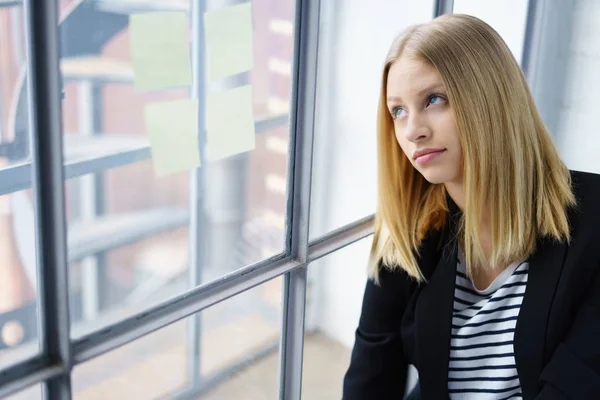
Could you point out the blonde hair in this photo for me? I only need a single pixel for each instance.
(511, 168)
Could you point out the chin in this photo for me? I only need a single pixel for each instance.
(436, 176)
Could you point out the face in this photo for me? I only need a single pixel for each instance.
(423, 120)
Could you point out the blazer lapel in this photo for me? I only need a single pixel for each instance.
(434, 324)
(545, 267)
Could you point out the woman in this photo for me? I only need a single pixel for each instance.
(485, 262)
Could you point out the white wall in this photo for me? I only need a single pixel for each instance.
(578, 133)
(507, 17)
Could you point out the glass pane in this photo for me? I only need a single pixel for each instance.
(332, 314)
(349, 74)
(236, 357)
(508, 18)
(567, 72)
(32, 393)
(129, 222)
(18, 265)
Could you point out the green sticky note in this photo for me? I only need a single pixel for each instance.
(172, 127)
(160, 50)
(230, 123)
(229, 40)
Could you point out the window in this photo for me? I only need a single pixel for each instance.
(18, 271)
(335, 301)
(237, 352)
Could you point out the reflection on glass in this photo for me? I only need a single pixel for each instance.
(236, 355)
(333, 302)
(18, 275)
(130, 229)
(18, 265)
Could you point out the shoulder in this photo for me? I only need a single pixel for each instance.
(586, 187)
(586, 183)
(584, 218)
(396, 282)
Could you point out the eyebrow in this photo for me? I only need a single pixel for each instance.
(429, 88)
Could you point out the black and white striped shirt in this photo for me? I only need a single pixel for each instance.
(482, 362)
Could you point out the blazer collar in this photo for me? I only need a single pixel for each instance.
(434, 314)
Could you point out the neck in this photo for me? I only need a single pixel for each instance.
(457, 193)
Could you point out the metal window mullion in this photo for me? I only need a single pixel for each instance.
(111, 336)
(442, 7)
(292, 333)
(302, 134)
(27, 373)
(42, 40)
(198, 181)
(531, 42)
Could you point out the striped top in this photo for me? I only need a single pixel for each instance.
(482, 363)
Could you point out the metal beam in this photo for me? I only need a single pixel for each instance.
(532, 40)
(344, 236)
(44, 88)
(442, 7)
(306, 40)
(292, 334)
(28, 373)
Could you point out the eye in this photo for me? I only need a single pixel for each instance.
(397, 112)
(435, 99)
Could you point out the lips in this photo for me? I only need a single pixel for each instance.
(424, 152)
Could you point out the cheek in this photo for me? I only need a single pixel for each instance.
(401, 140)
(447, 125)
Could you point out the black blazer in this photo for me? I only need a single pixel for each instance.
(557, 336)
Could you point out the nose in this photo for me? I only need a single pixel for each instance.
(417, 128)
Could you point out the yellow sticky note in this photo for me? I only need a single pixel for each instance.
(172, 127)
(160, 50)
(230, 123)
(229, 46)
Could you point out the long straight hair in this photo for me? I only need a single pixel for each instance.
(513, 176)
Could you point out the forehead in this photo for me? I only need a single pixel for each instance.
(408, 75)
